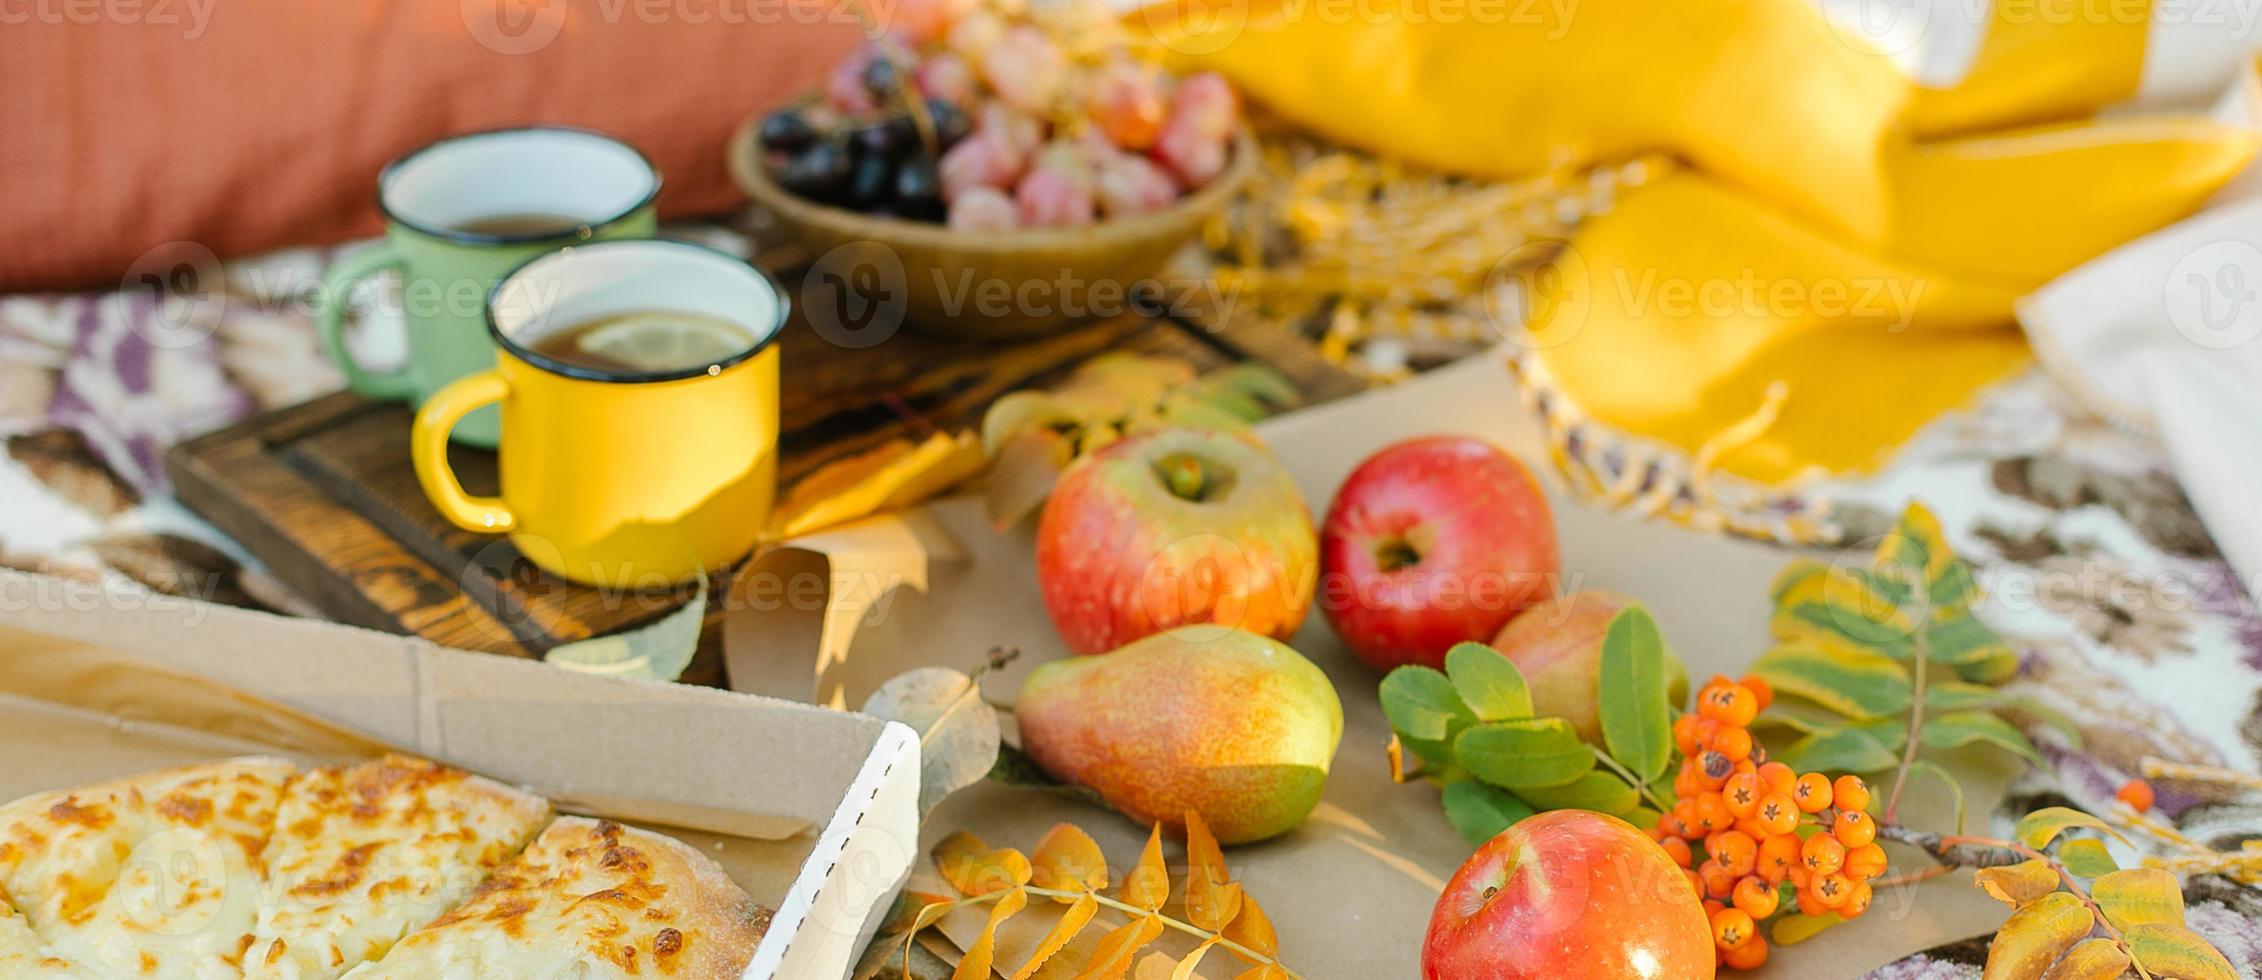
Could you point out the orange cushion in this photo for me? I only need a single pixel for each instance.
(247, 125)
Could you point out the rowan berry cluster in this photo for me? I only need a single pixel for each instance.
(1756, 836)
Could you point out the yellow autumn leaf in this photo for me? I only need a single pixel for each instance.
(976, 964)
(2036, 935)
(1120, 948)
(2038, 829)
(892, 475)
(2090, 959)
(1067, 859)
(2138, 896)
(1212, 899)
(972, 868)
(1147, 885)
(1185, 968)
(2172, 950)
(2017, 884)
(1252, 929)
(1071, 923)
(1263, 971)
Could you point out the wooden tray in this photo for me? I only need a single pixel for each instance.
(323, 492)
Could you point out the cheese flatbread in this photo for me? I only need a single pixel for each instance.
(23, 955)
(592, 900)
(362, 855)
(151, 876)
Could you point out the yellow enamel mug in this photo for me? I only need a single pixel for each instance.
(615, 478)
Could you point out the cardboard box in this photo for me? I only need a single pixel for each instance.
(812, 811)
(1350, 891)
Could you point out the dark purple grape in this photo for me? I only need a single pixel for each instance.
(918, 193)
(878, 140)
(870, 182)
(819, 172)
(880, 77)
(787, 129)
(951, 122)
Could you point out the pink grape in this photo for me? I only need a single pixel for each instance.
(1194, 156)
(1124, 98)
(1053, 197)
(948, 77)
(973, 36)
(844, 88)
(984, 209)
(1019, 132)
(980, 160)
(1204, 103)
(1025, 69)
(1130, 184)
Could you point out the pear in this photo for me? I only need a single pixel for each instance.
(1231, 725)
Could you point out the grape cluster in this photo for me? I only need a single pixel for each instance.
(1024, 134)
(1755, 836)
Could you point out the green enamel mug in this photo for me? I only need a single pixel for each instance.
(460, 214)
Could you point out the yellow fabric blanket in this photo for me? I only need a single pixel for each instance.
(1841, 234)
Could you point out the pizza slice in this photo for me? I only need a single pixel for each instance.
(365, 854)
(593, 900)
(150, 876)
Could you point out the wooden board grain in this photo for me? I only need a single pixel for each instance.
(323, 492)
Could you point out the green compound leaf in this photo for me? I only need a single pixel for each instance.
(1488, 682)
(1855, 750)
(2087, 857)
(1480, 812)
(1957, 728)
(1422, 705)
(1637, 723)
(1599, 791)
(1861, 686)
(1526, 754)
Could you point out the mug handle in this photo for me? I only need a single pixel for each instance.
(428, 449)
(330, 323)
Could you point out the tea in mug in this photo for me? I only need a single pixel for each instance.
(645, 342)
(524, 225)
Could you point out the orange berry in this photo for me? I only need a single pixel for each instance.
(1779, 777)
(1713, 770)
(1678, 850)
(1712, 905)
(1708, 700)
(1733, 704)
(1777, 813)
(1856, 903)
(1684, 734)
(1732, 928)
(1809, 904)
(1716, 879)
(1832, 891)
(1735, 743)
(1696, 884)
(1685, 814)
(1735, 850)
(1850, 793)
(1742, 792)
(1854, 828)
(1749, 956)
(2137, 794)
(1812, 793)
(1864, 862)
(1712, 812)
(1685, 783)
(1822, 854)
(1704, 729)
(1759, 689)
(1757, 897)
(1751, 828)
(1778, 856)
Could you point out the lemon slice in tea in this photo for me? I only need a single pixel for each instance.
(663, 340)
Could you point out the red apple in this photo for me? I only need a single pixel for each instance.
(1433, 542)
(1172, 528)
(1569, 895)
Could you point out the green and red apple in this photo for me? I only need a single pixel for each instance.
(1433, 542)
(1569, 895)
(1231, 725)
(1176, 527)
